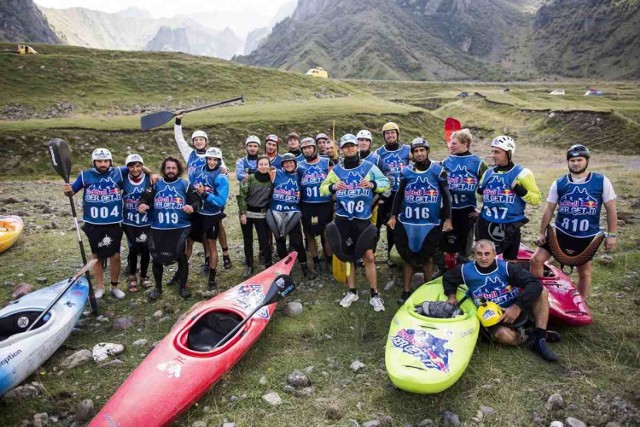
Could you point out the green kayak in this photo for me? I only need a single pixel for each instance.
(426, 354)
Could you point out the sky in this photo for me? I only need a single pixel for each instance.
(167, 9)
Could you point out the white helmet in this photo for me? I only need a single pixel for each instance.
(348, 139)
(213, 152)
(252, 139)
(505, 143)
(364, 134)
(132, 158)
(201, 134)
(101, 154)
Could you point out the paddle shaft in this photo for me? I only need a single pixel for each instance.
(238, 326)
(72, 280)
(215, 104)
(153, 120)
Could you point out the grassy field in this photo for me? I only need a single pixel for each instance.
(600, 364)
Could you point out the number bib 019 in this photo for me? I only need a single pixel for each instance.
(168, 201)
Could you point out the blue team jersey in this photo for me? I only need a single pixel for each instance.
(276, 162)
(168, 201)
(354, 202)
(286, 192)
(245, 166)
(463, 174)
(195, 163)
(210, 179)
(131, 197)
(493, 286)
(372, 157)
(311, 176)
(102, 199)
(579, 205)
(393, 162)
(500, 203)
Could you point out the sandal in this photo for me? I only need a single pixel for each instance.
(146, 283)
(133, 284)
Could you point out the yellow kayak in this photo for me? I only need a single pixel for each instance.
(10, 229)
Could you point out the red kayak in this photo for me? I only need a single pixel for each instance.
(185, 364)
(566, 305)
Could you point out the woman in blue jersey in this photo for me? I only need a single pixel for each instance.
(576, 235)
(351, 234)
(170, 202)
(423, 193)
(284, 214)
(213, 187)
(464, 171)
(136, 226)
(102, 215)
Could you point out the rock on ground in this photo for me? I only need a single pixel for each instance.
(84, 410)
(574, 422)
(103, 350)
(298, 379)
(272, 398)
(77, 358)
(555, 402)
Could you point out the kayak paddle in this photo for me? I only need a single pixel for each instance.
(61, 161)
(450, 125)
(281, 286)
(153, 120)
(72, 280)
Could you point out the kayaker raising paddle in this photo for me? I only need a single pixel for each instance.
(515, 290)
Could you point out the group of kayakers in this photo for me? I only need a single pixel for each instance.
(343, 195)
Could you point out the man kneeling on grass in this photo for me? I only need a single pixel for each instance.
(518, 293)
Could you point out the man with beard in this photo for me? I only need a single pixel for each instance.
(515, 291)
(102, 215)
(136, 226)
(422, 194)
(352, 235)
(576, 235)
(317, 209)
(213, 187)
(194, 158)
(330, 152)
(173, 199)
(393, 158)
(505, 188)
(248, 164)
(271, 150)
(464, 171)
(284, 214)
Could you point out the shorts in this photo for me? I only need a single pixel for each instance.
(166, 246)
(428, 249)
(205, 226)
(316, 216)
(350, 231)
(104, 239)
(137, 237)
(506, 237)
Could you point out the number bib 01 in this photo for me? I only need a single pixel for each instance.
(311, 176)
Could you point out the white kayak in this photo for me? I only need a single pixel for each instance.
(21, 353)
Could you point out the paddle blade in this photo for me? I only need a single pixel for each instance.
(153, 120)
(450, 125)
(60, 158)
(281, 286)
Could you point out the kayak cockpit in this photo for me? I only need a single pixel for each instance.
(210, 329)
(16, 323)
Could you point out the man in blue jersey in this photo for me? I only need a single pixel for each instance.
(102, 215)
(172, 199)
(364, 148)
(293, 146)
(514, 289)
(354, 183)
(284, 213)
(394, 156)
(422, 195)
(213, 187)
(317, 209)
(247, 165)
(575, 236)
(464, 171)
(194, 158)
(135, 225)
(321, 143)
(271, 150)
(505, 188)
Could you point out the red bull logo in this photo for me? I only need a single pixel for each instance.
(429, 349)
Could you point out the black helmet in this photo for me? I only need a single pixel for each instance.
(578, 150)
(419, 142)
(287, 157)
